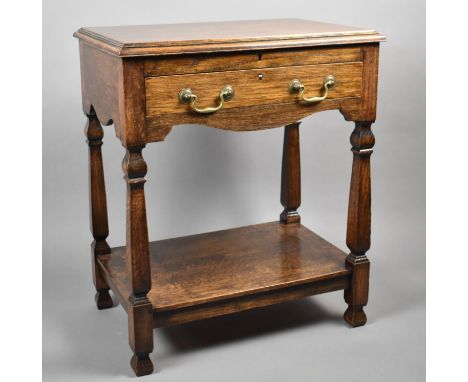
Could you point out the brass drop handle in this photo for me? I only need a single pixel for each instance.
(186, 96)
(295, 86)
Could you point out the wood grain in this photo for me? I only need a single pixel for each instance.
(215, 266)
(221, 36)
(115, 90)
(162, 92)
(100, 85)
(367, 108)
(137, 266)
(98, 209)
(131, 77)
(253, 118)
(137, 250)
(291, 175)
(359, 208)
(205, 63)
(223, 307)
(357, 294)
(358, 232)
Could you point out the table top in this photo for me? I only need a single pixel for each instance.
(164, 39)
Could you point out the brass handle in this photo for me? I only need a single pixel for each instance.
(295, 86)
(186, 96)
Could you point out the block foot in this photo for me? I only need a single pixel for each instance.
(355, 316)
(141, 365)
(103, 299)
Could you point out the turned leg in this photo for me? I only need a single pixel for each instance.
(359, 224)
(140, 313)
(291, 175)
(98, 209)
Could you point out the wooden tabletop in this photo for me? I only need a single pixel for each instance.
(143, 40)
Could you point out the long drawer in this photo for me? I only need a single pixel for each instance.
(253, 87)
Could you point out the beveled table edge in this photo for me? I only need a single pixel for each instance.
(162, 48)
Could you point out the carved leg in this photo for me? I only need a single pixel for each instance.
(359, 224)
(98, 209)
(291, 175)
(140, 315)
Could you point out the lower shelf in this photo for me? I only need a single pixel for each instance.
(226, 271)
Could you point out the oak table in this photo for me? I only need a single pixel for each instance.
(238, 76)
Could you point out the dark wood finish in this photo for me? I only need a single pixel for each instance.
(146, 40)
(131, 77)
(162, 92)
(206, 63)
(357, 294)
(257, 300)
(291, 175)
(366, 108)
(98, 209)
(145, 111)
(359, 223)
(137, 264)
(114, 90)
(199, 269)
(101, 85)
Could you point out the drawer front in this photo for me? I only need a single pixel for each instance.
(252, 88)
(162, 66)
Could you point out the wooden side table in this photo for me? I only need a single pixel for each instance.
(235, 76)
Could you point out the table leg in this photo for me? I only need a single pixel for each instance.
(98, 209)
(140, 313)
(359, 224)
(291, 175)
